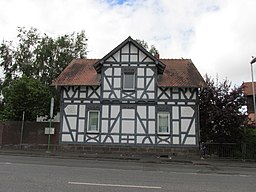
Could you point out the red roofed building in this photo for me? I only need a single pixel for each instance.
(247, 90)
(130, 97)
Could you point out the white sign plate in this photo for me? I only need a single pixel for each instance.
(49, 131)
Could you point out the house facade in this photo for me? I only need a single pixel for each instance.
(130, 97)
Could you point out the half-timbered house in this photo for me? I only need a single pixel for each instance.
(130, 97)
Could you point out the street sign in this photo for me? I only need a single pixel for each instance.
(49, 130)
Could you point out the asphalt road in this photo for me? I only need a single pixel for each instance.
(41, 174)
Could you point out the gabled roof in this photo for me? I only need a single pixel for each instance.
(178, 73)
(159, 64)
(79, 72)
(247, 88)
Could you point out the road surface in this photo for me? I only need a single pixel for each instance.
(42, 174)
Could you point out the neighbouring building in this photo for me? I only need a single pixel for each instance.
(247, 91)
(130, 97)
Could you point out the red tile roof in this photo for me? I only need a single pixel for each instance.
(79, 72)
(178, 73)
(247, 88)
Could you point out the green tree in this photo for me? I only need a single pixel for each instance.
(25, 94)
(221, 119)
(40, 56)
(142, 43)
(152, 49)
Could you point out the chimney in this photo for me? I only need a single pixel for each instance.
(157, 56)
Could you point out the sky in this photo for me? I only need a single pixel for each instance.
(218, 35)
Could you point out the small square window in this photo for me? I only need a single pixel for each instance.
(129, 81)
(93, 121)
(163, 122)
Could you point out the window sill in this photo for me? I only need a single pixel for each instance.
(129, 90)
(93, 132)
(166, 133)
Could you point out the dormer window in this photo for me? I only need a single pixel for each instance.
(129, 81)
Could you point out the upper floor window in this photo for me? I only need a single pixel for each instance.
(129, 81)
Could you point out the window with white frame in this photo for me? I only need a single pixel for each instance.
(129, 81)
(163, 122)
(93, 121)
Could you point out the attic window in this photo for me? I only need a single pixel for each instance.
(129, 81)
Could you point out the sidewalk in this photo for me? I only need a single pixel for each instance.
(140, 158)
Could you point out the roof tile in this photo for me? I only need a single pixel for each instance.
(178, 73)
(78, 72)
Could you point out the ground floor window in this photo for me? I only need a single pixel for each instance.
(93, 121)
(163, 122)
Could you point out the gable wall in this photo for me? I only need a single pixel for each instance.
(129, 58)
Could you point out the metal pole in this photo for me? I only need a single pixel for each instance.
(22, 128)
(50, 126)
(253, 93)
(49, 135)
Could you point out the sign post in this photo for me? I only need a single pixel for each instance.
(51, 115)
(22, 128)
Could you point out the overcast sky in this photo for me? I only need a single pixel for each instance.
(218, 35)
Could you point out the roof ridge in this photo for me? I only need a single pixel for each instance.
(175, 59)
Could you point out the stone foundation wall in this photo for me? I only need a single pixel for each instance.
(121, 149)
(110, 149)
